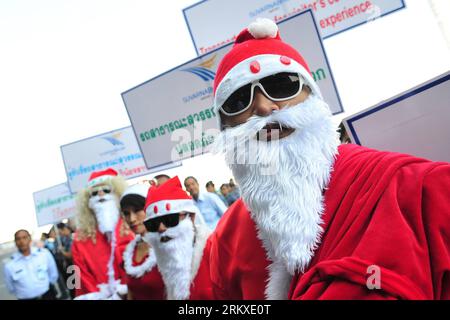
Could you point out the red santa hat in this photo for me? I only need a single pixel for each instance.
(168, 198)
(101, 177)
(257, 53)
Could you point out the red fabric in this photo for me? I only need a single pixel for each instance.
(384, 209)
(148, 287)
(381, 208)
(201, 288)
(247, 46)
(238, 260)
(107, 172)
(92, 259)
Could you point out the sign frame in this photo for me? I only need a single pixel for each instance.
(349, 121)
(403, 6)
(45, 189)
(165, 166)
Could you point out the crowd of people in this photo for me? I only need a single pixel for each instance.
(311, 219)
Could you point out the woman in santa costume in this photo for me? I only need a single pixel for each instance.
(335, 221)
(180, 240)
(101, 236)
(142, 276)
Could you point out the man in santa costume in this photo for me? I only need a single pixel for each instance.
(180, 241)
(336, 221)
(101, 235)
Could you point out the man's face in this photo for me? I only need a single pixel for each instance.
(105, 205)
(65, 232)
(263, 106)
(23, 241)
(225, 190)
(192, 187)
(210, 188)
(167, 222)
(99, 191)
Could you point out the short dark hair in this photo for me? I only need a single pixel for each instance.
(62, 226)
(190, 177)
(224, 185)
(21, 230)
(135, 201)
(159, 176)
(209, 183)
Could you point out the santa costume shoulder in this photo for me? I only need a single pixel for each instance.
(139, 270)
(238, 259)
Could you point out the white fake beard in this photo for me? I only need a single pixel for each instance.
(106, 212)
(174, 258)
(282, 185)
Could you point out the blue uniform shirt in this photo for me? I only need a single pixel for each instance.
(211, 207)
(29, 277)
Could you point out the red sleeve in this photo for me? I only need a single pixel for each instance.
(403, 232)
(122, 242)
(436, 207)
(87, 280)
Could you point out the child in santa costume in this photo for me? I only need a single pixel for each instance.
(142, 275)
(336, 221)
(180, 241)
(100, 234)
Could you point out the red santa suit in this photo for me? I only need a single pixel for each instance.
(92, 259)
(238, 259)
(382, 210)
(190, 279)
(388, 211)
(201, 288)
(143, 278)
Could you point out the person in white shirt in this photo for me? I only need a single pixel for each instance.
(209, 204)
(31, 272)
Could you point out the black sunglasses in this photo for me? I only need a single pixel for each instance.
(170, 220)
(278, 87)
(97, 190)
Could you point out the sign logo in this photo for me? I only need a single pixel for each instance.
(114, 139)
(203, 69)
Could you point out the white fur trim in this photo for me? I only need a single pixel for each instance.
(241, 75)
(278, 283)
(99, 180)
(175, 206)
(263, 28)
(146, 266)
(139, 189)
(201, 236)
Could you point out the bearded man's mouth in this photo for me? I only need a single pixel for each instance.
(272, 131)
(165, 239)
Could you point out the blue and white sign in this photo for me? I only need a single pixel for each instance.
(117, 149)
(415, 122)
(54, 204)
(172, 114)
(215, 23)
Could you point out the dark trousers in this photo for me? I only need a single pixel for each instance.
(49, 295)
